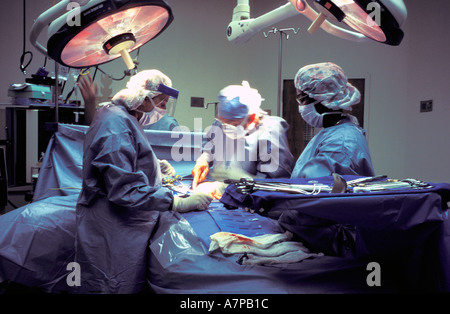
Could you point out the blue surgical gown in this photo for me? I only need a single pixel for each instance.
(338, 149)
(166, 123)
(263, 152)
(119, 204)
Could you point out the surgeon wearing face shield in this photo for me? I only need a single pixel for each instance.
(160, 94)
(244, 141)
(121, 197)
(323, 93)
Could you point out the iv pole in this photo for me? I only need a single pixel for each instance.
(56, 93)
(280, 59)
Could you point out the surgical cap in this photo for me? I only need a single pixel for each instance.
(327, 83)
(238, 101)
(149, 80)
(130, 98)
(143, 84)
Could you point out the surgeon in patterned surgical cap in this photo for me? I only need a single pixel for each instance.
(121, 197)
(323, 93)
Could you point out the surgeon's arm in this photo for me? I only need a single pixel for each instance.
(89, 92)
(129, 187)
(275, 158)
(325, 163)
(195, 201)
(125, 185)
(200, 170)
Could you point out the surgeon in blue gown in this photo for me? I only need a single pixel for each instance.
(121, 197)
(243, 140)
(323, 93)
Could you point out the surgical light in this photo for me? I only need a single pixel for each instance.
(378, 20)
(102, 31)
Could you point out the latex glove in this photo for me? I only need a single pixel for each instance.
(234, 173)
(166, 168)
(214, 189)
(199, 172)
(218, 192)
(193, 202)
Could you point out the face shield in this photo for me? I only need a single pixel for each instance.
(171, 102)
(163, 99)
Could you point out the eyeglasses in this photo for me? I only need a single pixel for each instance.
(230, 126)
(300, 97)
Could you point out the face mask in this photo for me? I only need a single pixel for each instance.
(234, 132)
(160, 112)
(153, 116)
(310, 115)
(145, 118)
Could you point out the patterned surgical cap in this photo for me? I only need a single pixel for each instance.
(327, 83)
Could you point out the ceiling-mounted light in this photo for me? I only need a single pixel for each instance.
(106, 30)
(378, 20)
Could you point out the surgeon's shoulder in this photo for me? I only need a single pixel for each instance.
(172, 122)
(350, 127)
(274, 122)
(113, 117)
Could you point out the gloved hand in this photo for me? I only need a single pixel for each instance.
(166, 168)
(234, 173)
(199, 172)
(193, 202)
(218, 192)
(88, 91)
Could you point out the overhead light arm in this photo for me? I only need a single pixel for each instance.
(242, 29)
(46, 18)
